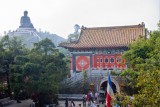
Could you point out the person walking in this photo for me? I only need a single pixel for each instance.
(84, 99)
(66, 102)
(91, 96)
(88, 99)
(96, 97)
(72, 103)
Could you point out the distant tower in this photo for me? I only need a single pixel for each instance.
(5, 32)
(76, 27)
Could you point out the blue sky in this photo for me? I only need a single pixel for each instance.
(60, 16)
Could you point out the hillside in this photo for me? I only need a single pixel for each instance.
(28, 38)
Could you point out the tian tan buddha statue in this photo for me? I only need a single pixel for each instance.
(25, 21)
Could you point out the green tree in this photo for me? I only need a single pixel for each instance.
(38, 70)
(84, 82)
(45, 69)
(129, 77)
(10, 48)
(45, 46)
(144, 59)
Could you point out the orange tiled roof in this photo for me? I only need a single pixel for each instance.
(107, 37)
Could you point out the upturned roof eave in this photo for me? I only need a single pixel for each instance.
(98, 47)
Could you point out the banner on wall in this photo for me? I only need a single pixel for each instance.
(82, 63)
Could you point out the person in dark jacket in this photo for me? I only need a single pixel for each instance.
(66, 102)
(84, 99)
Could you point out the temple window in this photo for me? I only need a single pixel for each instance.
(106, 60)
(111, 60)
(120, 60)
(117, 60)
(100, 59)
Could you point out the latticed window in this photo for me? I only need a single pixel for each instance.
(112, 60)
(119, 60)
(106, 60)
(101, 60)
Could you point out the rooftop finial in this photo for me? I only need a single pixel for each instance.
(142, 23)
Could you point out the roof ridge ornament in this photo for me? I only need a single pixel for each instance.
(83, 28)
(142, 23)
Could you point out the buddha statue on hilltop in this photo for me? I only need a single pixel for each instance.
(25, 21)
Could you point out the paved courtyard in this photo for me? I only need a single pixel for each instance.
(26, 103)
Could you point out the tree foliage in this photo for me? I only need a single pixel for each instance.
(144, 62)
(38, 70)
(73, 37)
(84, 82)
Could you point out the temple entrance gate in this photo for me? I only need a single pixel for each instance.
(115, 85)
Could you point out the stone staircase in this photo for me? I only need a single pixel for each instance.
(74, 97)
(75, 83)
(90, 73)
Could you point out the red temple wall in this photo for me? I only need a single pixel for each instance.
(106, 61)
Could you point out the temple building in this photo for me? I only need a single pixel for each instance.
(102, 47)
